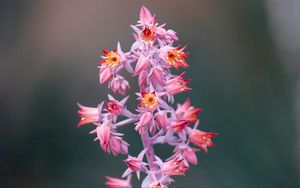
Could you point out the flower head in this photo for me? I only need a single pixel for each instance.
(88, 114)
(202, 139)
(110, 58)
(110, 140)
(119, 85)
(149, 100)
(114, 107)
(149, 24)
(135, 164)
(177, 85)
(174, 56)
(188, 112)
(175, 166)
(148, 33)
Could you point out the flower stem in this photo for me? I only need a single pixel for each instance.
(150, 152)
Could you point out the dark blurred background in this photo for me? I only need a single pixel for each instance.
(244, 58)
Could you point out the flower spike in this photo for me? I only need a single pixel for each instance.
(150, 60)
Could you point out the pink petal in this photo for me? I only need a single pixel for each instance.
(190, 156)
(161, 118)
(105, 75)
(142, 64)
(145, 16)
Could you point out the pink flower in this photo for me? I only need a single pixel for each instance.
(110, 141)
(166, 36)
(135, 164)
(110, 61)
(88, 114)
(187, 152)
(202, 139)
(119, 85)
(113, 58)
(149, 24)
(175, 166)
(118, 183)
(118, 145)
(114, 107)
(188, 112)
(174, 56)
(177, 85)
(149, 100)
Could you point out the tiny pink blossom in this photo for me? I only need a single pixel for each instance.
(187, 152)
(202, 139)
(135, 164)
(174, 56)
(186, 111)
(175, 166)
(177, 85)
(110, 140)
(119, 85)
(118, 146)
(114, 107)
(88, 115)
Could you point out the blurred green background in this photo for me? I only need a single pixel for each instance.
(244, 58)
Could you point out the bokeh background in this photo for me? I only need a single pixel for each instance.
(244, 58)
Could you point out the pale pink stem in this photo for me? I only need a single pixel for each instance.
(150, 152)
(124, 122)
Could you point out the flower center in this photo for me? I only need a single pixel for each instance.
(174, 57)
(149, 100)
(111, 58)
(113, 107)
(148, 33)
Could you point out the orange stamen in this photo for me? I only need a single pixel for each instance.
(111, 58)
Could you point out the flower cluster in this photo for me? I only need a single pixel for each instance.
(150, 59)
